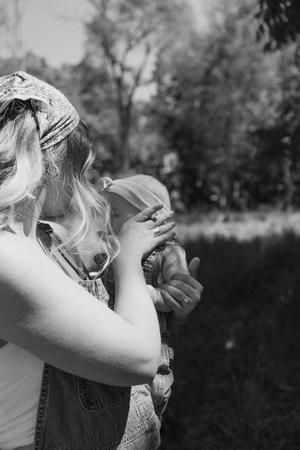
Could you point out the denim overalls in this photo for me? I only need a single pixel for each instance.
(160, 387)
(77, 414)
(163, 380)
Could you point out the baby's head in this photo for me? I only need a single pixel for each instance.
(129, 196)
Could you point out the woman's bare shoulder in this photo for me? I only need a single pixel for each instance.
(12, 245)
(18, 256)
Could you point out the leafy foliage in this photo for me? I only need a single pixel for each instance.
(210, 100)
(124, 39)
(279, 22)
(210, 114)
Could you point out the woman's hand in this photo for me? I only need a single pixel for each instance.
(183, 292)
(145, 231)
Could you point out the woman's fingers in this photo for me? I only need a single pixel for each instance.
(147, 213)
(169, 300)
(163, 228)
(180, 296)
(187, 279)
(162, 216)
(164, 233)
(155, 215)
(189, 294)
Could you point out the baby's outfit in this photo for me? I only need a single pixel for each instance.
(77, 413)
(162, 383)
(160, 388)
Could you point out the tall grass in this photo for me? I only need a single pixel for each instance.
(240, 225)
(236, 357)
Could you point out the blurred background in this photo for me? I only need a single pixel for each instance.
(205, 95)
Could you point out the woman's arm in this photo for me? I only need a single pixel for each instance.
(130, 238)
(48, 314)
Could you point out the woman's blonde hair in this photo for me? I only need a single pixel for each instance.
(24, 167)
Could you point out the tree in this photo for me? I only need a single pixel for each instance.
(11, 14)
(2, 24)
(212, 94)
(2, 13)
(279, 141)
(279, 22)
(124, 39)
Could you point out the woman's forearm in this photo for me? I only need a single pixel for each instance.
(134, 304)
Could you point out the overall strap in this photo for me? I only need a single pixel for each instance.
(52, 245)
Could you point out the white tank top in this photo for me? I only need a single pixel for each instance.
(20, 384)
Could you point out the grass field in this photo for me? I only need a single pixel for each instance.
(236, 358)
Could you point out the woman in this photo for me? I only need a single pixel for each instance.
(174, 291)
(46, 317)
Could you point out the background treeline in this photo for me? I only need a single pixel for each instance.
(202, 105)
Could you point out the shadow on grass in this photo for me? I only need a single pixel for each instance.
(236, 358)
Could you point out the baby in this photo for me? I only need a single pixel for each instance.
(128, 197)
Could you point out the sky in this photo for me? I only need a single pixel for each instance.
(54, 29)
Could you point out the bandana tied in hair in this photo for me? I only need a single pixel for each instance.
(141, 191)
(56, 117)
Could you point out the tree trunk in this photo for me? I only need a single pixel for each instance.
(124, 133)
(124, 147)
(125, 152)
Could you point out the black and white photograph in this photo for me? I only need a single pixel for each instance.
(149, 224)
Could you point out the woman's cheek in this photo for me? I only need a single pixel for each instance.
(117, 222)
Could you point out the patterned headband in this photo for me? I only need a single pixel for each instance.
(56, 117)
